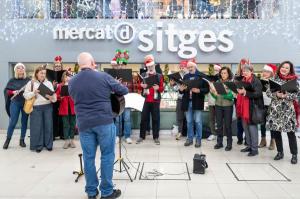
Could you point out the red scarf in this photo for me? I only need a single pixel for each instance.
(243, 104)
(295, 102)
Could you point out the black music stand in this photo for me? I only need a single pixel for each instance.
(79, 173)
(120, 158)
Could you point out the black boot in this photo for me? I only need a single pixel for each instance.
(22, 143)
(6, 143)
(294, 159)
(279, 156)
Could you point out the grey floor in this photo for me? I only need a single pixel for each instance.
(26, 174)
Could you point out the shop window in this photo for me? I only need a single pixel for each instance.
(145, 9)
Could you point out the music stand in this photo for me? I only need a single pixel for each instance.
(138, 105)
(120, 159)
(80, 172)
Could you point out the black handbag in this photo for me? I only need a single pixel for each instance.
(258, 115)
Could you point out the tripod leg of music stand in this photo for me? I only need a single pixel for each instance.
(125, 164)
(122, 162)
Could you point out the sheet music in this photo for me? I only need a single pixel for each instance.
(135, 101)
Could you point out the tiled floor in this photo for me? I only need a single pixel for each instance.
(48, 175)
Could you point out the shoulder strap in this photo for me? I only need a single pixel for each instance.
(31, 85)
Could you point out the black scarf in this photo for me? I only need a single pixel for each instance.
(14, 84)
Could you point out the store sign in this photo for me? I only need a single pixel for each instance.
(182, 42)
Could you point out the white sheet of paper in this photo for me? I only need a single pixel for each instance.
(135, 101)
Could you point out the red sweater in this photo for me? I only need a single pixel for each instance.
(65, 102)
(150, 96)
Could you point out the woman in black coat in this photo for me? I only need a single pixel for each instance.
(250, 100)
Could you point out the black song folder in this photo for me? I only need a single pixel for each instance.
(265, 84)
(64, 91)
(44, 90)
(124, 74)
(192, 83)
(176, 77)
(290, 86)
(232, 86)
(54, 75)
(220, 88)
(151, 80)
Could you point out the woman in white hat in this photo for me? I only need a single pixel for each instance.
(14, 102)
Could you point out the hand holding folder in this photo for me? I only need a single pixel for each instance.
(176, 77)
(45, 91)
(54, 75)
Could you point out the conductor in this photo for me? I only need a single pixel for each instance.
(91, 92)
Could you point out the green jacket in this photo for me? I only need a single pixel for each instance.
(224, 100)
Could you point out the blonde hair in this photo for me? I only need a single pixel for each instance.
(15, 70)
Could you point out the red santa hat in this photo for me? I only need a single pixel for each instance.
(58, 59)
(113, 61)
(183, 63)
(270, 67)
(191, 62)
(18, 65)
(217, 67)
(149, 60)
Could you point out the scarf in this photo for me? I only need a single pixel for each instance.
(243, 104)
(295, 102)
(13, 84)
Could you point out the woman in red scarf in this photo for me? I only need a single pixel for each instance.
(284, 111)
(249, 96)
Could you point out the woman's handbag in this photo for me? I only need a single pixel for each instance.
(28, 106)
(258, 114)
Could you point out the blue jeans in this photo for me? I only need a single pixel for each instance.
(15, 109)
(127, 123)
(103, 136)
(191, 117)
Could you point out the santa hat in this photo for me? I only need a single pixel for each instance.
(19, 65)
(191, 62)
(217, 67)
(270, 67)
(245, 61)
(58, 59)
(149, 60)
(113, 61)
(183, 63)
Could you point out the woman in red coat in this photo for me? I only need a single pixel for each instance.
(66, 111)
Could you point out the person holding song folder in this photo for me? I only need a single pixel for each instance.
(268, 72)
(284, 114)
(213, 71)
(41, 124)
(152, 87)
(193, 102)
(224, 109)
(119, 62)
(66, 110)
(179, 113)
(14, 104)
(250, 102)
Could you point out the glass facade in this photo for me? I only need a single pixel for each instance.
(145, 9)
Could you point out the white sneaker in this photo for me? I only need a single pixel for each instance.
(117, 140)
(174, 130)
(128, 140)
(211, 138)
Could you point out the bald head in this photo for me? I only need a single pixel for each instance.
(86, 60)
